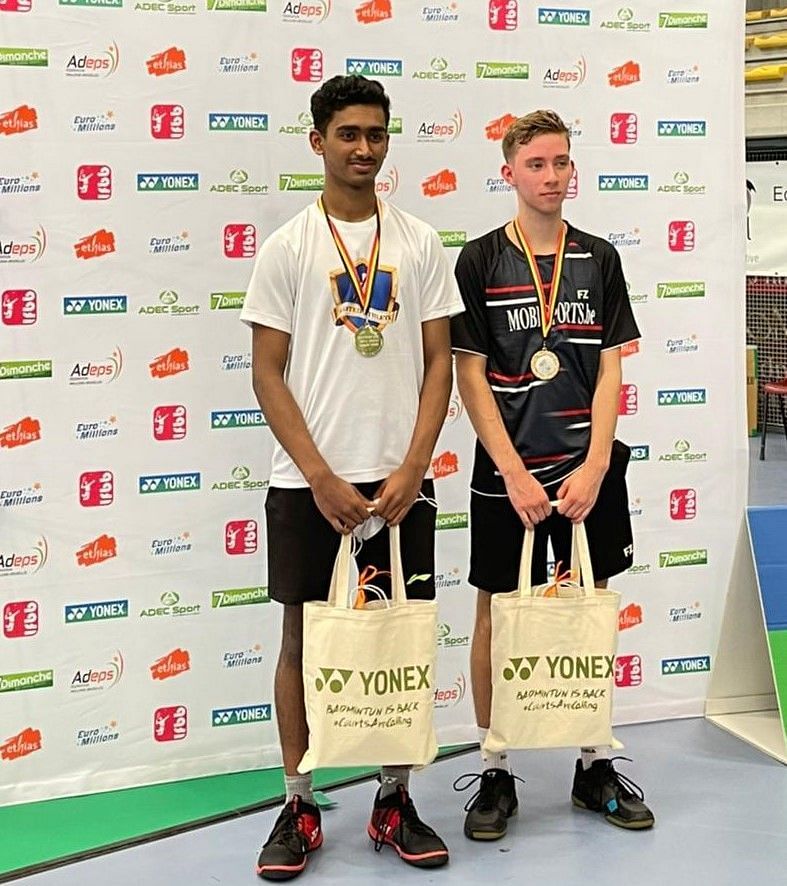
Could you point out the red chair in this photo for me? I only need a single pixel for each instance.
(779, 388)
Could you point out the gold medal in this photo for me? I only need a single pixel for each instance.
(368, 341)
(545, 364)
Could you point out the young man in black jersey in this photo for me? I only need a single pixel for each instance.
(538, 367)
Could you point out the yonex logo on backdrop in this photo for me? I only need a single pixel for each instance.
(640, 452)
(237, 418)
(94, 304)
(167, 181)
(153, 483)
(550, 16)
(225, 122)
(374, 67)
(697, 664)
(685, 128)
(683, 397)
(100, 611)
(623, 182)
(254, 713)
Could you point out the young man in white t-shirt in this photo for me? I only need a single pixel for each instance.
(349, 305)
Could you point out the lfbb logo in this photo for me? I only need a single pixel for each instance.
(94, 182)
(170, 422)
(697, 665)
(154, 483)
(549, 16)
(572, 192)
(170, 61)
(629, 400)
(374, 67)
(628, 670)
(240, 241)
(623, 129)
(20, 619)
(306, 65)
(496, 129)
(97, 551)
(19, 307)
(96, 489)
(171, 363)
(171, 723)
(445, 464)
(503, 15)
(624, 75)
(30, 249)
(373, 11)
(439, 184)
(254, 713)
(683, 504)
(240, 537)
(315, 11)
(100, 611)
(566, 78)
(94, 64)
(104, 372)
(681, 236)
(167, 121)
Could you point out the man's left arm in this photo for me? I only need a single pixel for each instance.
(399, 491)
(579, 492)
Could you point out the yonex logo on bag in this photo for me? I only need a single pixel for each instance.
(410, 678)
(334, 683)
(515, 668)
(565, 667)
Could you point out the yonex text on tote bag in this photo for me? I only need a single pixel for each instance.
(369, 674)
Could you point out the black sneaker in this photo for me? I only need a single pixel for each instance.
(601, 789)
(297, 832)
(395, 823)
(492, 804)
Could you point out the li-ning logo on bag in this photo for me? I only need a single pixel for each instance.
(564, 667)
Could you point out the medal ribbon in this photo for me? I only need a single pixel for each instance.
(363, 291)
(546, 308)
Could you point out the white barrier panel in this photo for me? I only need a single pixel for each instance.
(147, 149)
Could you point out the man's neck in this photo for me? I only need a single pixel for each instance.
(349, 204)
(542, 231)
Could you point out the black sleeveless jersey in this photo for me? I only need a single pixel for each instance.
(547, 421)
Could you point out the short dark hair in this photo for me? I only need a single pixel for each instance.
(340, 92)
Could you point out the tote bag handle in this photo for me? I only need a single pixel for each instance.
(340, 591)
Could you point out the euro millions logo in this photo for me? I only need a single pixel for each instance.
(628, 670)
(240, 537)
(171, 723)
(20, 619)
(170, 422)
(167, 121)
(94, 182)
(19, 307)
(683, 504)
(520, 668)
(96, 489)
(681, 236)
(623, 129)
(240, 241)
(306, 65)
(629, 400)
(503, 15)
(334, 679)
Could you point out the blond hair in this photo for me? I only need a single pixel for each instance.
(524, 129)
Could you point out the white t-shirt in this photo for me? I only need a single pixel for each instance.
(360, 411)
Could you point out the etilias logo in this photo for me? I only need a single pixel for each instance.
(445, 464)
(681, 235)
(629, 617)
(683, 504)
(19, 120)
(628, 670)
(439, 184)
(624, 75)
(623, 128)
(25, 742)
(96, 489)
(20, 619)
(629, 400)
(240, 537)
(496, 129)
(20, 433)
(169, 61)
(373, 11)
(95, 245)
(306, 65)
(240, 241)
(16, 5)
(99, 550)
(171, 723)
(170, 422)
(503, 15)
(167, 121)
(171, 363)
(27, 250)
(19, 307)
(94, 182)
(171, 664)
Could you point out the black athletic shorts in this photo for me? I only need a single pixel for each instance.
(497, 533)
(302, 546)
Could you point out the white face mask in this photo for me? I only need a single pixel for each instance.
(369, 528)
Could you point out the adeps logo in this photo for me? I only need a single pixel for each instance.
(441, 131)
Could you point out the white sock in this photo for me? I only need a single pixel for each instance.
(591, 754)
(393, 776)
(489, 760)
(299, 784)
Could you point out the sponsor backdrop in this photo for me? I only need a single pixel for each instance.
(148, 148)
(766, 196)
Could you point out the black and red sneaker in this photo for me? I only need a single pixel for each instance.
(297, 832)
(396, 823)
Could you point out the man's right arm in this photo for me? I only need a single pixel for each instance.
(338, 501)
(526, 494)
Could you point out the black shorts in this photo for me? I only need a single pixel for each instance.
(497, 533)
(302, 546)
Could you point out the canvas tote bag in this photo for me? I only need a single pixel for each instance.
(553, 659)
(369, 674)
